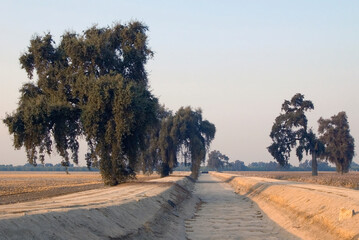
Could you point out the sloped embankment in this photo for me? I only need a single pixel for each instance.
(307, 210)
(121, 212)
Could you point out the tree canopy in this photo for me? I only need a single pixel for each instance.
(216, 160)
(92, 85)
(187, 134)
(150, 157)
(339, 144)
(290, 130)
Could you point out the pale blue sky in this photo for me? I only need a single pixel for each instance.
(237, 60)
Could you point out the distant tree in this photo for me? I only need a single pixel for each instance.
(267, 166)
(307, 165)
(290, 130)
(188, 134)
(92, 85)
(217, 160)
(354, 166)
(239, 166)
(182, 167)
(339, 144)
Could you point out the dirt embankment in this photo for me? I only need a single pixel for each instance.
(124, 212)
(348, 180)
(307, 210)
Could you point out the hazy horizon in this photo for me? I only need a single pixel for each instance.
(236, 60)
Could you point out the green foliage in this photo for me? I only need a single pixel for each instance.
(339, 144)
(187, 134)
(150, 156)
(217, 160)
(238, 166)
(268, 166)
(307, 166)
(115, 121)
(92, 85)
(290, 130)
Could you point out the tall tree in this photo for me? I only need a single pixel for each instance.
(217, 160)
(339, 143)
(188, 134)
(93, 85)
(290, 130)
(168, 145)
(150, 157)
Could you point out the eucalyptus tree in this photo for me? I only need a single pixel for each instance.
(185, 133)
(150, 156)
(339, 144)
(290, 130)
(93, 85)
(217, 160)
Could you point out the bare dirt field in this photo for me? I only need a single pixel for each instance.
(348, 180)
(27, 186)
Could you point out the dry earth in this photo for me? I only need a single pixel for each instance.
(127, 211)
(310, 211)
(223, 214)
(28, 186)
(226, 207)
(348, 180)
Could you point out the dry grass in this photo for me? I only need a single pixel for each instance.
(26, 186)
(348, 180)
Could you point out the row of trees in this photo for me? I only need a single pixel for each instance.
(94, 86)
(274, 166)
(184, 134)
(290, 130)
(44, 167)
(220, 162)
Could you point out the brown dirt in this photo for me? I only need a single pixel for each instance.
(348, 180)
(310, 211)
(28, 186)
(222, 214)
(150, 209)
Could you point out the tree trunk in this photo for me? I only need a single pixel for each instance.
(314, 165)
(165, 170)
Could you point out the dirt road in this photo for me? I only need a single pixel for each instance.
(224, 214)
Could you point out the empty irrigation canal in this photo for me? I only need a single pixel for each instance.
(223, 214)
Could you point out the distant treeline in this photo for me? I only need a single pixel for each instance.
(220, 162)
(231, 166)
(267, 166)
(45, 167)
